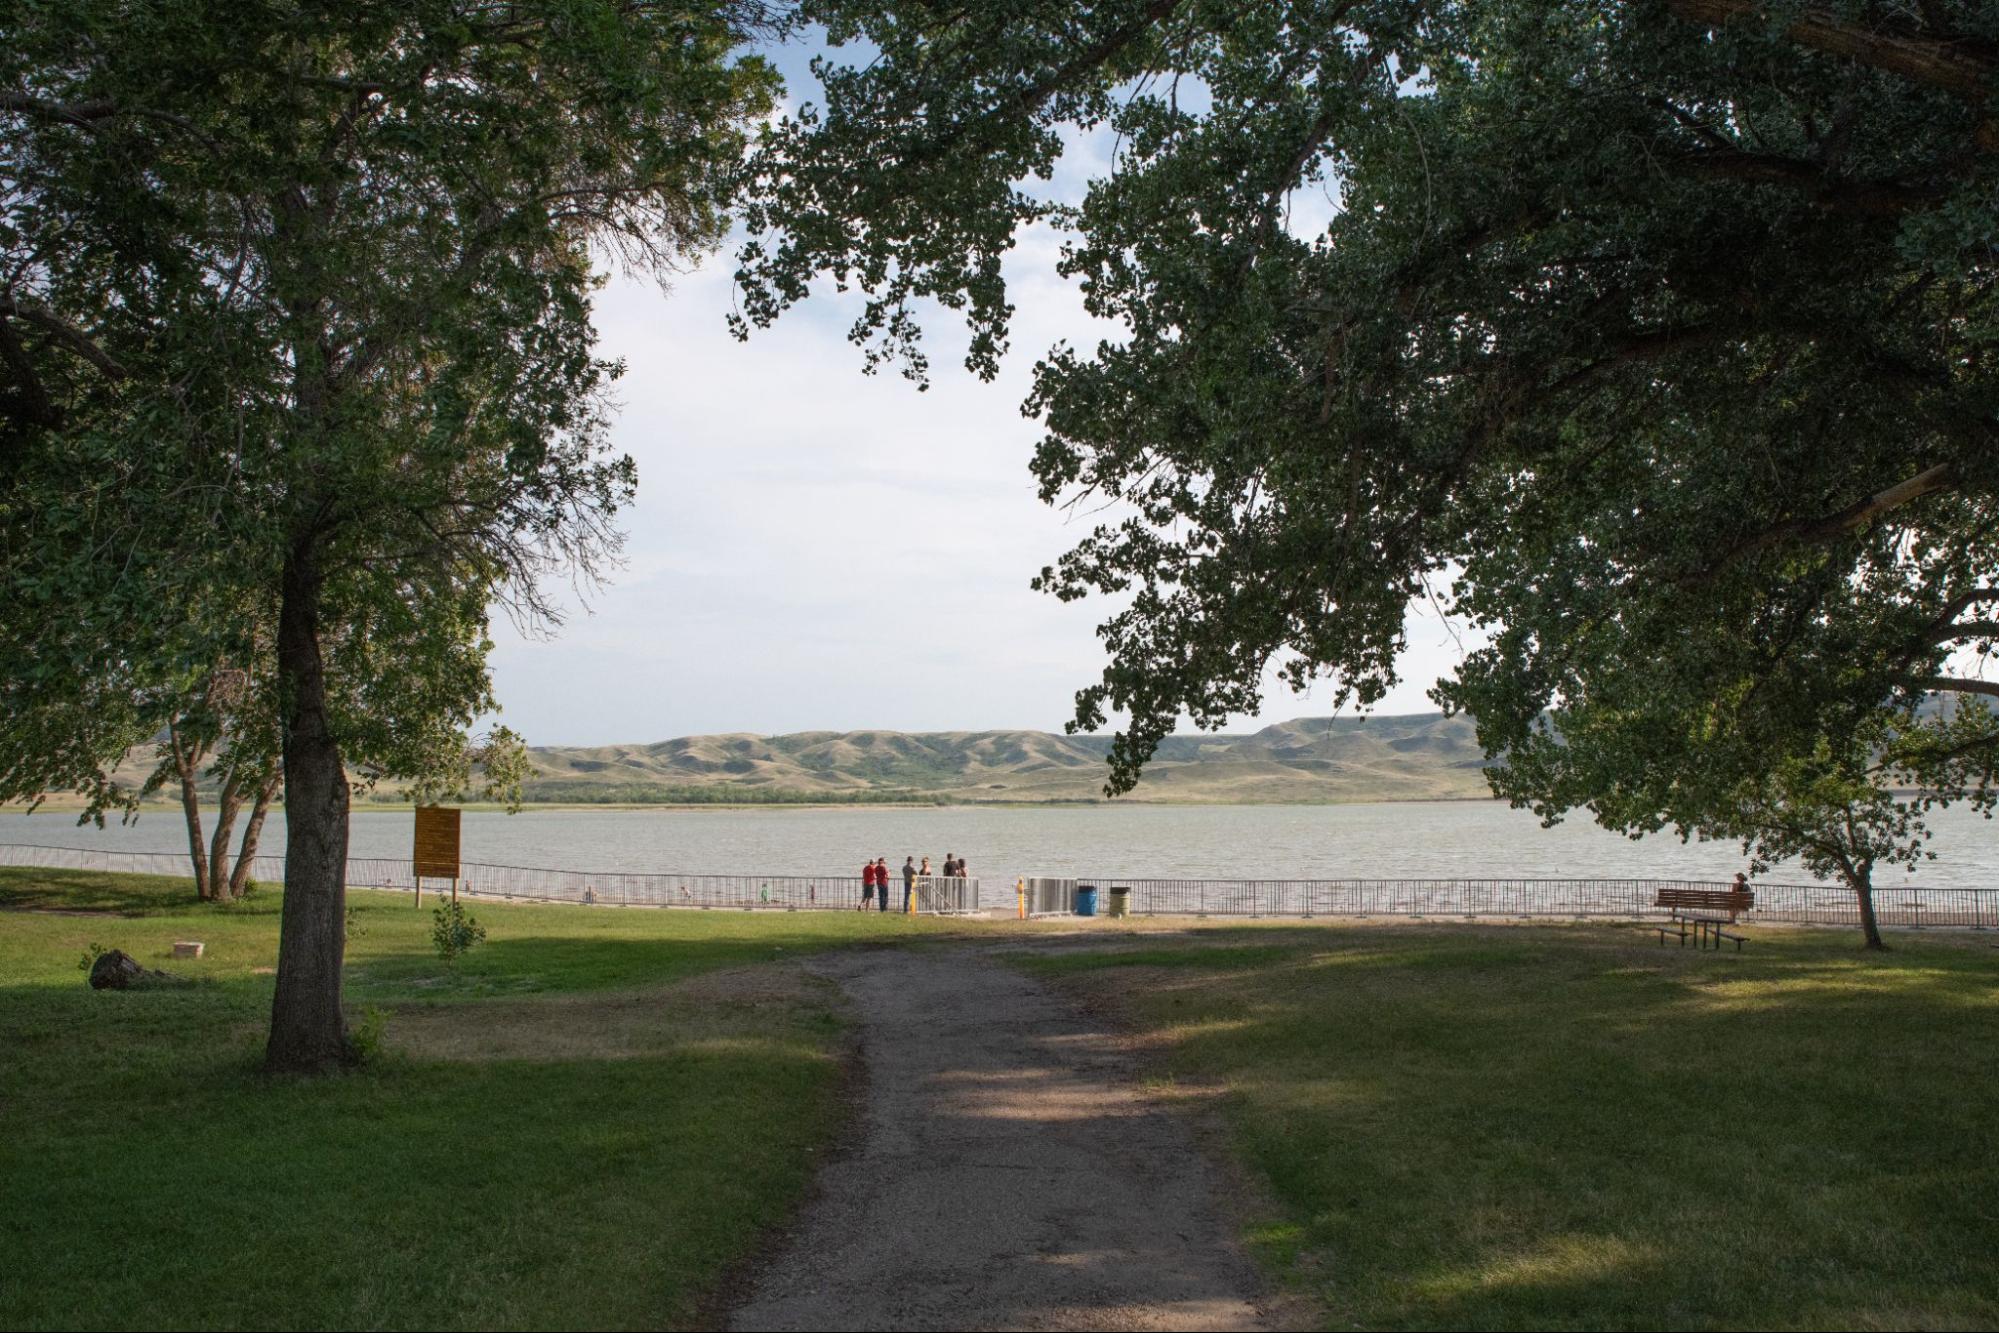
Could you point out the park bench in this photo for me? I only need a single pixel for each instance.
(1699, 914)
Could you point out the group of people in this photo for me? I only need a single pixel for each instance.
(874, 878)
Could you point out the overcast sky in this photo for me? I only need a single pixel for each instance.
(815, 548)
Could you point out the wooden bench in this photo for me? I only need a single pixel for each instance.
(1698, 913)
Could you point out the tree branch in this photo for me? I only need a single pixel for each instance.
(1866, 198)
(74, 338)
(84, 114)
(1031, 98)
(1830, 527)
(31, 404)
(1963, 685)
(1953, 66)
(1965, 629)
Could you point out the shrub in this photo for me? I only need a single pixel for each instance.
(364, 1039)
(454, 931)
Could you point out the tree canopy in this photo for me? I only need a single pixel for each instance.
(1655, 338)
(295, 328)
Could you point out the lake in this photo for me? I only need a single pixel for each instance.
(1457, 839)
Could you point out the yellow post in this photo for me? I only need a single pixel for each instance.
(454, 891)
(911, 908)
(1020, 891)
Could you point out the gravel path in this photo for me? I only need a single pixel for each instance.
(1012, 1175)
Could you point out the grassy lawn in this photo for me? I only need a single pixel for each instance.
(581, 1124)
(1569, 1127)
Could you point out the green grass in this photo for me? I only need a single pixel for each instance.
(1576, 1128)
(559, 1132)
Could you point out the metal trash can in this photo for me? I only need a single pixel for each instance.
(1120, 900)
(1086, 900)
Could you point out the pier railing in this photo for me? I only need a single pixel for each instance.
(1627, 899)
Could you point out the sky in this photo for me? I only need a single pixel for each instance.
(813, 548)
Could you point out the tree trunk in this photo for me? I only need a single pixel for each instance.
(246, 857)
(308, 1034)
(228, 804)
(187, 764)
(1861, 878)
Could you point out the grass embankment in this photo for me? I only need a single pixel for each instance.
(1575, 1128)
(581, 1124)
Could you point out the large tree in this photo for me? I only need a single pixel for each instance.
(1657, 338)
(296, 311)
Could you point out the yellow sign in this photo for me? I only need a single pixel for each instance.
(436, 842)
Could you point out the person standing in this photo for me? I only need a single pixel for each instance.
(881, 881)
(909, 879)
(867, 884)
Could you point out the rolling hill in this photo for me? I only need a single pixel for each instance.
(1422, 756)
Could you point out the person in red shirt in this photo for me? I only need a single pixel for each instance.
(867, 885)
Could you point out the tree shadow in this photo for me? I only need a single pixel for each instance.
(150, 1168)
(96, 893)
(1476, 1128)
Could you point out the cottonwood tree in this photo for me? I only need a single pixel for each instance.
(1641, 334)
(296, 306)
(228, 734)
(221, 744)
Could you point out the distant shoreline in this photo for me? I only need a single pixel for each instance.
(1306, 762)
(75, 805)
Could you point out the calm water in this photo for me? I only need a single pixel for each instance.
(1401, 840)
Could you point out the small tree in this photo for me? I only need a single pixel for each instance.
(453, 930)
(1843, 803)
(1830, 812)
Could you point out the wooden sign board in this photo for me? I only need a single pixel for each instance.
(436, 842)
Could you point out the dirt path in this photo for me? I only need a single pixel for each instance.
(1013, 1174)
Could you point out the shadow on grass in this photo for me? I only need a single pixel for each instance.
(1481, 1128)
(153, 1176)
(526, 964)
(98, 893)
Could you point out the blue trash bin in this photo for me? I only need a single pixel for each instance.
(1086, 900)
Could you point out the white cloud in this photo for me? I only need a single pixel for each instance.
(816, 548)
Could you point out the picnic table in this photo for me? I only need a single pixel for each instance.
(1704, 915)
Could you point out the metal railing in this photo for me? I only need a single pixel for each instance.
(1049, 895)
(514, 883)
(947, 895)
(1628, 899)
